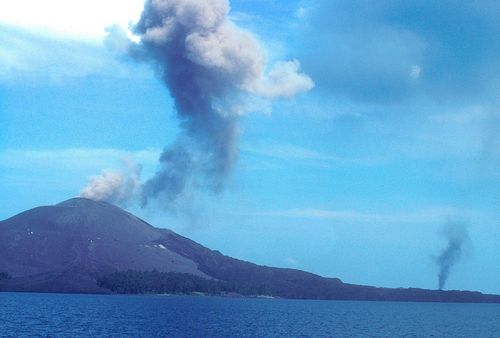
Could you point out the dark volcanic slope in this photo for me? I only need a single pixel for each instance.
(66, 247)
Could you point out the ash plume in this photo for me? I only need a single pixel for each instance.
(114, 186)
(209, 66)
(457, 236)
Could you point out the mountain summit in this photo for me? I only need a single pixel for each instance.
(68, 247)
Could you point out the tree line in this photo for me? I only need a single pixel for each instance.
(155, 282)
(5, 275)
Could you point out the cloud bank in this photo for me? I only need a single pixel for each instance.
(388, 51)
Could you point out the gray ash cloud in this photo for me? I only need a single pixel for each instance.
(214, 71)
(207, 64)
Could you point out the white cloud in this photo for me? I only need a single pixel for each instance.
(432, 214)
(73, 158)
(290, 152)
(466, 115)
(75, 19)
(27, 56)
(284, 80)
(415, 71)
(52, 40)
(290, 261)
(301, 13)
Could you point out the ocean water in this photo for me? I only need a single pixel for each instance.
(66, 315)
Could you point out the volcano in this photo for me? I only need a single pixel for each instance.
(69, 246)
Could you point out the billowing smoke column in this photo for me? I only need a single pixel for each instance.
(212, 69)
(207, 63)
(456, 235)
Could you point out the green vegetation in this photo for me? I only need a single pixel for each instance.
(4, 275)
(158, 282)
(144, 282)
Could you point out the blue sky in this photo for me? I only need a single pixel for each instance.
(352, 179)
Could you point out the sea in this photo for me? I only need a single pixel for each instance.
(74, 315)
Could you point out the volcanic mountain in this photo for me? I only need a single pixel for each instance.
(68, 247)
